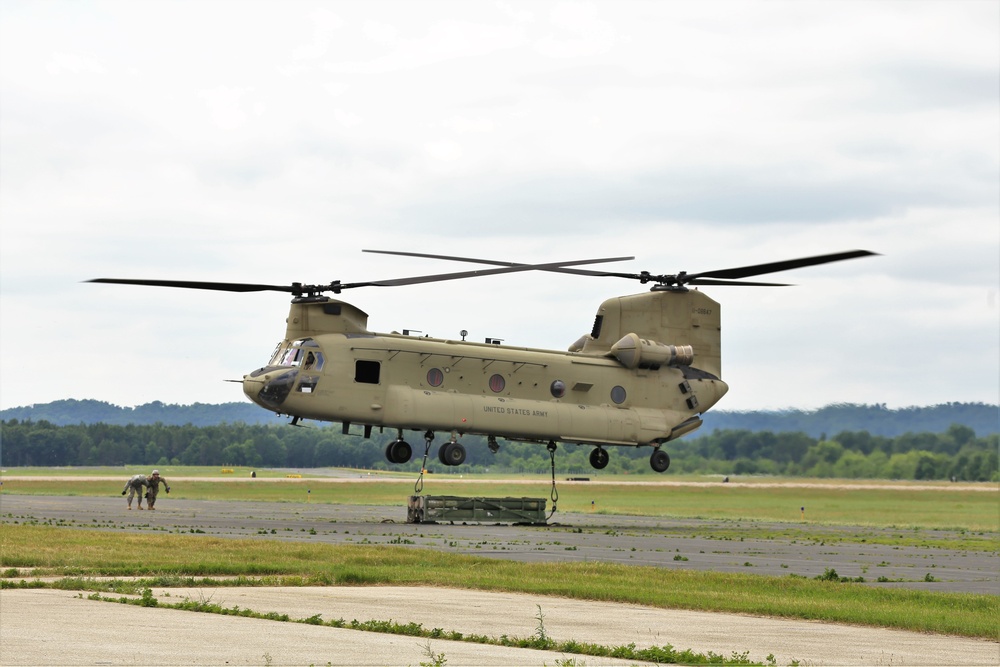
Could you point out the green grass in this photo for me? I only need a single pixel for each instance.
(124, 472)
(89, 553)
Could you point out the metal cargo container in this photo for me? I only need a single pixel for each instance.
(426, 509)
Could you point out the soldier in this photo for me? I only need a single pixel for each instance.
(134, 486)
(153, 482)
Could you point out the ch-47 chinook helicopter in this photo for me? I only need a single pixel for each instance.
(643, 376)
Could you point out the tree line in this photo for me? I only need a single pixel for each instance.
(876, 419)
(956, 453)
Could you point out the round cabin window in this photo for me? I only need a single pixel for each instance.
(558, 388)
(435, 377)
(497, 383)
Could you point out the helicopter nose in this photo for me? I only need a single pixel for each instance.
(269, 388)
(252, 387)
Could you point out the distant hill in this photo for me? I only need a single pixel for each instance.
(876, 419)
(71, 411)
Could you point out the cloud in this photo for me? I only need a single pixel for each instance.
(62, 63)
(271, 143)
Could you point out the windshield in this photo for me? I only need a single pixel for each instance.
(304, 353)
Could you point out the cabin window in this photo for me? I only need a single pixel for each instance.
(558, 388)
(435, 377)
(497, 383)
(366, 371)
(618, 394)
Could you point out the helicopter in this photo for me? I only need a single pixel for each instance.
(645, 374)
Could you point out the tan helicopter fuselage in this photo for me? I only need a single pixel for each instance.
(649, 368)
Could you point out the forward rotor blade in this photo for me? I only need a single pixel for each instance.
(298, 288)
(773, 267)
(733, 283)
(192, 284)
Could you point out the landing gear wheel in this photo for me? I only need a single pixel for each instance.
(398, 451)
(599, 458)
(659, 461)
(452, 454)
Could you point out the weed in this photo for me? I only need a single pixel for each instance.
(435, 659)
(147, 599)
(540, 634)
(831, 575)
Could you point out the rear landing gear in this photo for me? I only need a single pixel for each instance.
(659, 460)
(599, 458)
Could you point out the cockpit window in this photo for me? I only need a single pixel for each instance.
(313, 361)
(303, 353)
(276, 355)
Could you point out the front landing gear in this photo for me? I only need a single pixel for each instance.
(452, 453)
(398, 451)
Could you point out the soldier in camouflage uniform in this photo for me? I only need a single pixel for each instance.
(153, 482)
(134, 487)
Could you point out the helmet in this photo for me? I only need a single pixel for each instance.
(156, 472)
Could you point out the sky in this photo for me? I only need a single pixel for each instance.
(269, 142)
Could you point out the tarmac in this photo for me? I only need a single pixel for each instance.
(676, 544)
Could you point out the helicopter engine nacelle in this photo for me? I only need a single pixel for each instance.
(635, 352)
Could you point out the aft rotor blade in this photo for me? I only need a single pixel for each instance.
(494, 262)
(773, 267)
(505, 268)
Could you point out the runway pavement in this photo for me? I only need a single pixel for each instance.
(49, 627)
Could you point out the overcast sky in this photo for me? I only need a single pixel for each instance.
(271, 142)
